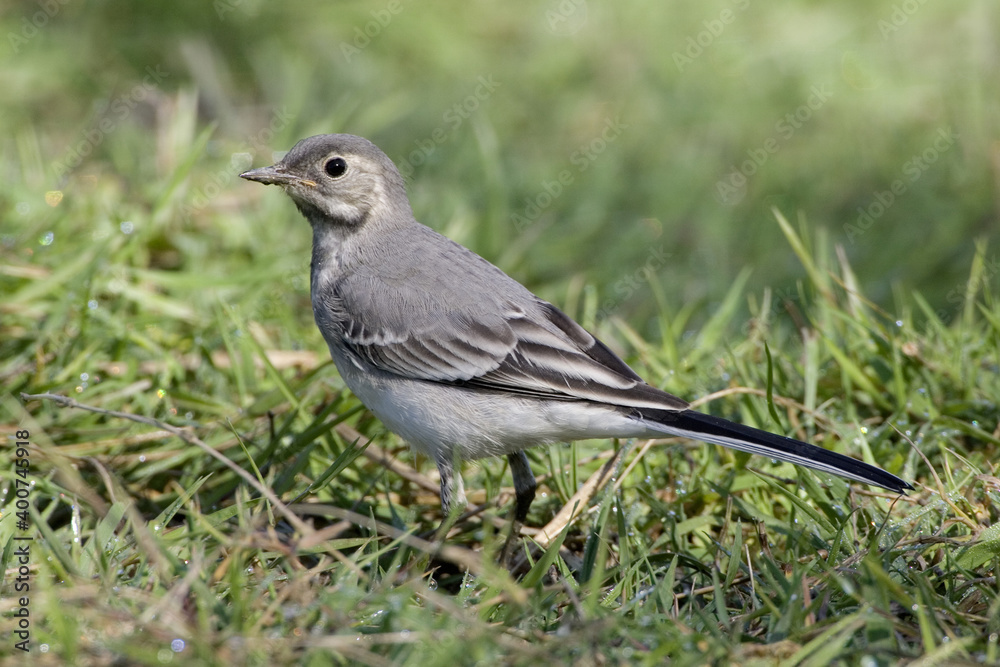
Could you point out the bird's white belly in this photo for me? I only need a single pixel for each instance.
(440, 420)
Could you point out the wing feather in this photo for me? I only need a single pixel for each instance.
(542, 354)
(467, 323)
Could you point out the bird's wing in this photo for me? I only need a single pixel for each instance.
(493, 336)
(554, 355)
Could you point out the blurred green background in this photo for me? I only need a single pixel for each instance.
(675, 129)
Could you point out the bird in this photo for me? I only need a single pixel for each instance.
(459, 359)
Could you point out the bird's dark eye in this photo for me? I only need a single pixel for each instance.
(335, 167)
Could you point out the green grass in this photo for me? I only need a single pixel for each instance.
(146, 280)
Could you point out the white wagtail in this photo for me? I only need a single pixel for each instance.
(461, 360)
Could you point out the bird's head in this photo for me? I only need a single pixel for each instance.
(339, 179)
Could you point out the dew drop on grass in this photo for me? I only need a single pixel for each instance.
(47, 238)
(127, 227)
(177, 645)
(92, 304)
(74, 523)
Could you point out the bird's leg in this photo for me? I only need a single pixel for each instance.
(524, 493)
(524, 484)
(452, 492)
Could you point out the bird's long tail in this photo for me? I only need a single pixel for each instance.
(699, 426)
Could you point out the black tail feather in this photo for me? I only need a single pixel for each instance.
(707, 428)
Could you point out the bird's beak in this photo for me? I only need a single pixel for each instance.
(274, 175)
